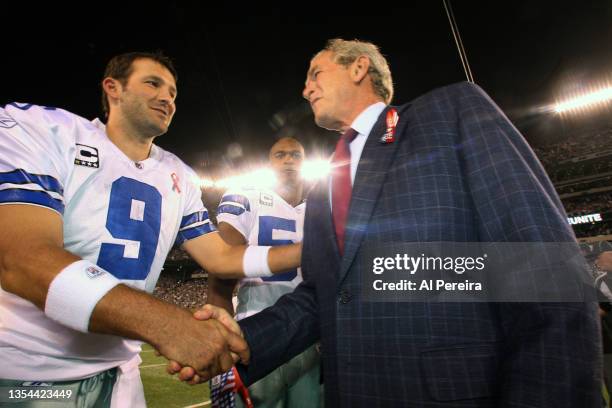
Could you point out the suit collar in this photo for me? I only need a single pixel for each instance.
(366, 120)
(369, 179)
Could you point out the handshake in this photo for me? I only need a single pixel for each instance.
(210, 345)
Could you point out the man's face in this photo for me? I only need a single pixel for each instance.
(147, 100)
(286, 158)
(327, 88)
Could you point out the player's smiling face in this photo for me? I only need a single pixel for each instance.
(286, 157)
(148, 98)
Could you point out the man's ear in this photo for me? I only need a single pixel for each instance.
(359, 68)
(112, 88)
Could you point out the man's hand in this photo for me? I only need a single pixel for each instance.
(209, 314)
(206, 347)
(213, 312)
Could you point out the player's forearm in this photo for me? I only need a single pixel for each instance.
(31, 251)
(231, 263)
(135, 314)
(227, 264)
(284, 258)
(28, 272)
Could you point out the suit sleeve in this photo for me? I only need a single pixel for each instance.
(552, 350)
(280, 332)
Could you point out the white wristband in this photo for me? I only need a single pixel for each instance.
(255, 262)
(75, 291)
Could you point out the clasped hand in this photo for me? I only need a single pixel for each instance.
(223, 346)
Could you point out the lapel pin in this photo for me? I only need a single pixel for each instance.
(392, 119)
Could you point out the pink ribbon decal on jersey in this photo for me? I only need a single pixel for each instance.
(175, 183)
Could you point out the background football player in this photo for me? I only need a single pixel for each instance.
(269, 217)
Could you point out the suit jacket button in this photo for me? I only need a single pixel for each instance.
(344, 297)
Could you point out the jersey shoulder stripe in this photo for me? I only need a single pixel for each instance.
(20, 176)
(234, 204)
(19, 186)
(194, 225)
(191, 220)
(21, 196)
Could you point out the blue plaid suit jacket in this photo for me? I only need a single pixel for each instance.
(458, 171)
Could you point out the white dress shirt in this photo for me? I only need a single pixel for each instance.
(363, 124)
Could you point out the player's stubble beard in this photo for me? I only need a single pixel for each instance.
(139, 115)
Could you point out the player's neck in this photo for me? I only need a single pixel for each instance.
(291, 193)
(136, 148)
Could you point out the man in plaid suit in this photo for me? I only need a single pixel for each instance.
(447, 167)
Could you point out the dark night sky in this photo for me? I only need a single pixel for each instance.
(242, 76)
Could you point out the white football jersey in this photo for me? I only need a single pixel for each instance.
(263, 218)
(123, 216)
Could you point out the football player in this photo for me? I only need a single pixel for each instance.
(268, 217)
(89, 212)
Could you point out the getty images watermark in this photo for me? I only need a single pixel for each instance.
(413, 264)
(487, 272)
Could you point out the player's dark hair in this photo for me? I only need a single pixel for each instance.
(120, 67)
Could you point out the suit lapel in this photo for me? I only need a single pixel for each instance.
(371, 172)
(319, 211)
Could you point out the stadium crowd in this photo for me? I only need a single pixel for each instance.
(190, 294)
(587, 204)
(579, 145)
(581, 169)
(582, 186)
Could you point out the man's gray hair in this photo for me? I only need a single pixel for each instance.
(346, 52)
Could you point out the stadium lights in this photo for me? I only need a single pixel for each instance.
(205, 183)
(315, 169)
(259, 178)
(265, 178)
(587, 100)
